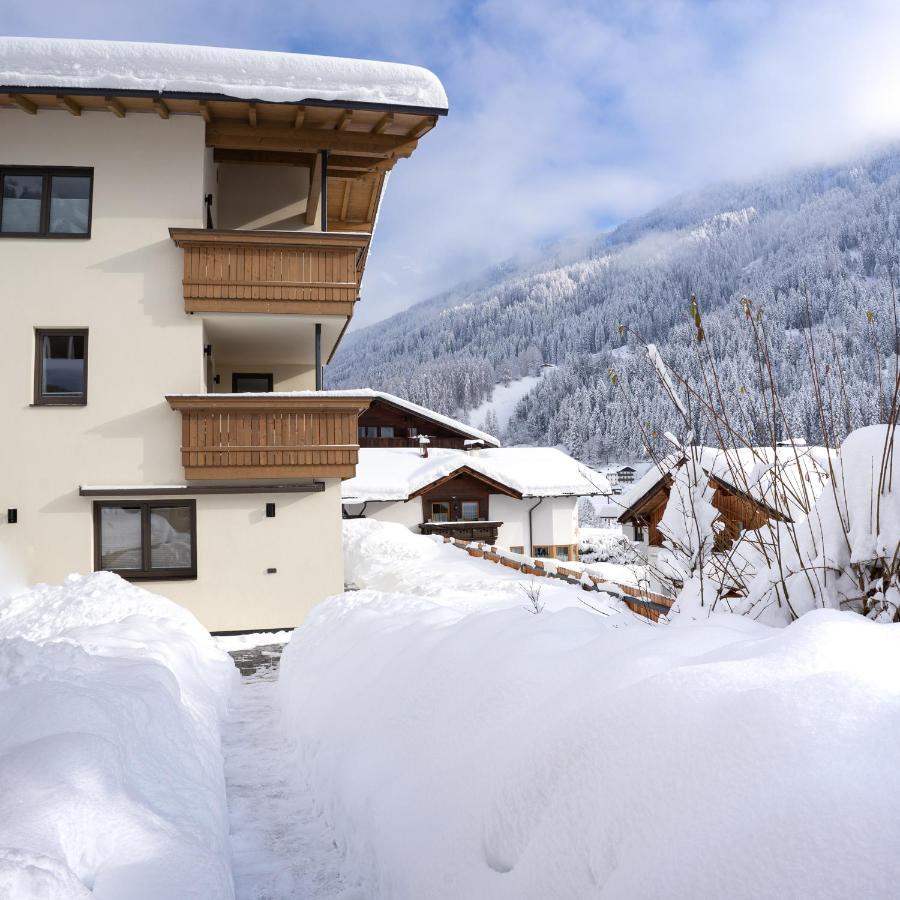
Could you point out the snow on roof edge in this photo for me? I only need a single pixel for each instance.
(264, 75)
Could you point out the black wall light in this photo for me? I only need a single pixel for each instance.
(270, 510)
(12, 516)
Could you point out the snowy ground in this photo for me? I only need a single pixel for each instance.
(281, 845)
(428, 737)
(465, 750)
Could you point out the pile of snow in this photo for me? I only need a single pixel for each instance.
(506, 755)
(247, 74)
(111, 779)
(387, 557)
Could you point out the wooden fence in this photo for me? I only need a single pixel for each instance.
(645, 603)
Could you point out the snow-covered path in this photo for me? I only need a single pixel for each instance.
(281, 846)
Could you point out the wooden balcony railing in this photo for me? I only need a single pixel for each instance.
(268, 436)
(317, 273)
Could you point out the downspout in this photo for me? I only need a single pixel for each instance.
(531, 528)
(320, 379)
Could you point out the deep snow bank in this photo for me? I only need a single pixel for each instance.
(111, 778)
(506, 755)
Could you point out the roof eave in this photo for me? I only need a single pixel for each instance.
(224, 98)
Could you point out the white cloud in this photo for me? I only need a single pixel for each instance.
(563, 116)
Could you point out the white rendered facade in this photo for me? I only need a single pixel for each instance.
(152, 169)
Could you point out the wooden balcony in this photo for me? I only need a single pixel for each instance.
(306, 272)
(241, 436)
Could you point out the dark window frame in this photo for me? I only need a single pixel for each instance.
(269, 376)
(47, 172)
(146, 572)
(478, 516)
(42, 399)
(449, 506)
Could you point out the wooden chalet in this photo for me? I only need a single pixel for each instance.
(738, 511)
(392, 422)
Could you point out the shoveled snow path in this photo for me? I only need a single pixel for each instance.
(281, 846)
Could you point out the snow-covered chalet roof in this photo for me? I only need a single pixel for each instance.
(262, 75)
(395, 473)
(786, 479)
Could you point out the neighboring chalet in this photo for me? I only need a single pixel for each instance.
(524, 499)
(391, 421)
(751, 487)
(183, 236)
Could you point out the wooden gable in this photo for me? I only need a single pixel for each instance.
(384, 414)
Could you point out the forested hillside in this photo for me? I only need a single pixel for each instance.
(824, 241)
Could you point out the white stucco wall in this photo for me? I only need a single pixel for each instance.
(124, 285)
(261, 197)
(406, 513)
(554, 520)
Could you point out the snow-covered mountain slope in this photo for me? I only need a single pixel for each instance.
(822, 240)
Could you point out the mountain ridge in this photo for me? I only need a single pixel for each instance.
(823, 241)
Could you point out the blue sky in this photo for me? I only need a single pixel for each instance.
(565, 117)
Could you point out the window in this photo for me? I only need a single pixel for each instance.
(386, 431)
(152, 539)
(251, 382)
(562, 553)
(469, 510)
(45, 202)
(542, 552)
(639, 532)
(520, 550)
(60, 367)
(440, 512)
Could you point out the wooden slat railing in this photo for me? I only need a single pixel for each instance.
(317, 273)
(273, 436)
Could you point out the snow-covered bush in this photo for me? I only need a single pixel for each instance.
(111, 780)
(846, 553)
(598, 545)
(500, 755)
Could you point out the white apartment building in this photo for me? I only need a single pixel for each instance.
(183, 234)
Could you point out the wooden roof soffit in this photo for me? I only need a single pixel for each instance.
(237, 136)
(299, 117)
(383, 123)
(205, 113)
(114, 106)
(422, 128)
(69, 104)
(161, 108)
(24, 104)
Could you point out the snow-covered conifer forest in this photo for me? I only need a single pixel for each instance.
(812, 248)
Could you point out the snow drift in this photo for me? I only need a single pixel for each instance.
(497, 754)
(111, 778)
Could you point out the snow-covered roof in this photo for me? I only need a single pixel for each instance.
(245, 74)
(394, 473)
(786, 479)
